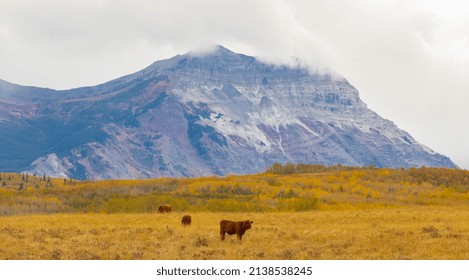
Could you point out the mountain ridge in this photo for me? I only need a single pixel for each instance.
(217, 113)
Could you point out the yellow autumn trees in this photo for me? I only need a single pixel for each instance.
(281, 188)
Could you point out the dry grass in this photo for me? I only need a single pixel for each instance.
(427, 232)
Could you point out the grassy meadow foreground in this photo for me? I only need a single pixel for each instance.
(299, 212)
(411, 233)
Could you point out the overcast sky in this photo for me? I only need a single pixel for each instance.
(409, 59)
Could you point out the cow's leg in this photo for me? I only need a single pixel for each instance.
(222, 234)
(239, 235)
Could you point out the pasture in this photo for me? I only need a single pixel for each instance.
(417, 232)
(299, 212)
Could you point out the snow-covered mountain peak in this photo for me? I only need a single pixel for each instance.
(200, 114)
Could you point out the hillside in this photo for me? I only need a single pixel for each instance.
(281, 188)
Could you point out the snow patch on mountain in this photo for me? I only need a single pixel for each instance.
(51, 165)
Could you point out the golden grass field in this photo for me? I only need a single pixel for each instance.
(417, 232)
(299, 212)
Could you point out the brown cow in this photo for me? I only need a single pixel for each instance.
(165, 208)
(234, 227)
(186, 220)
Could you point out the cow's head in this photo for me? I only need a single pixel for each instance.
(247, 224)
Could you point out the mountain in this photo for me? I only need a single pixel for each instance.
(199, 114)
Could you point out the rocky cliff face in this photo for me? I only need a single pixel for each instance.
(194, 115)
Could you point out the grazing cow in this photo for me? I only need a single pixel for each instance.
(186, 220)
(165, 208)
(234, 227)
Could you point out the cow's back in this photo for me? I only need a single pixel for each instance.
(228, 226)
